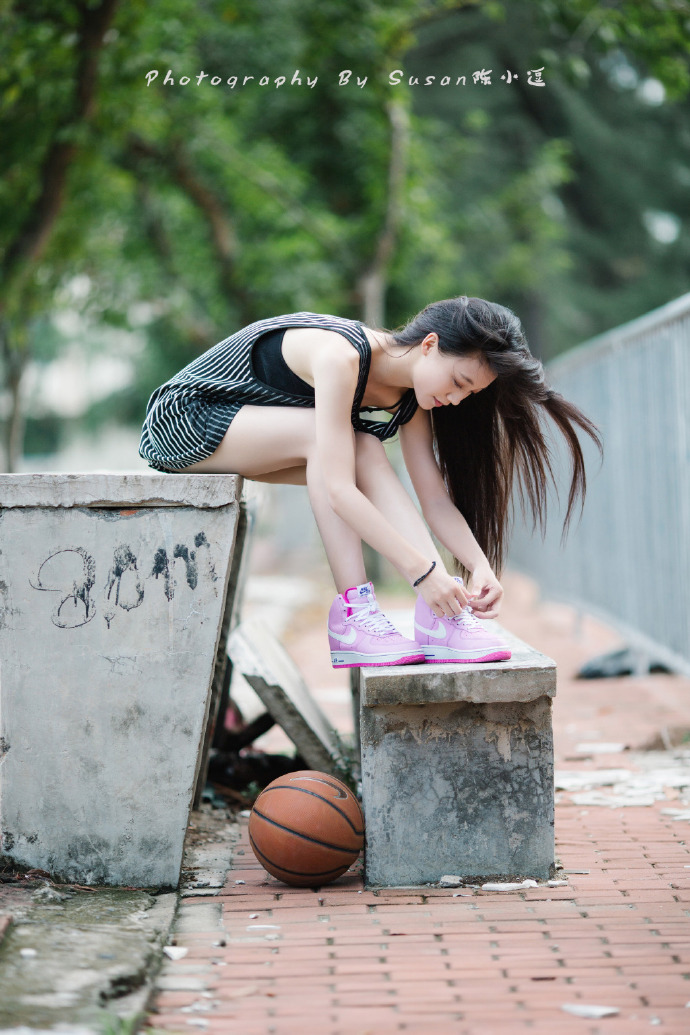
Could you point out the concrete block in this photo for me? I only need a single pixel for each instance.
(457, 769)
(222, 674)
(112, 592)
(272, 673)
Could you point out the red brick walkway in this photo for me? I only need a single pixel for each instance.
(264, 958)
(343, 960)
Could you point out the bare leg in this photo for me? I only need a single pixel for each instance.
(378, 480)
(286, 476)
(273, 443)
(262, 440)
(342, 544)
(277, 444)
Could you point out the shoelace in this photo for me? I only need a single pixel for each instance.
(371, 619)
(466, 619)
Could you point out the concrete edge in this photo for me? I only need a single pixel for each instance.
(528, 675)
(137, 1003)
(115, 489)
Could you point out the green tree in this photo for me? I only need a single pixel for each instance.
(206, 207)
(48, 84)
(558, 200)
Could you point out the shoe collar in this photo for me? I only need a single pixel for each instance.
(358, 596)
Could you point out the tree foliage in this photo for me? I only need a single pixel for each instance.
(192, 209)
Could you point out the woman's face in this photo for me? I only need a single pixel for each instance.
(441, 379)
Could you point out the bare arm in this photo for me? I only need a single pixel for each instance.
(335, 370)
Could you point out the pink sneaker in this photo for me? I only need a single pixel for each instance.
(463, 638)
(360, 634)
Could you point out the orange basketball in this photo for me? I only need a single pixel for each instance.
(306, 828)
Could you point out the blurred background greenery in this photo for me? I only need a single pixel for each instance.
(139, 224)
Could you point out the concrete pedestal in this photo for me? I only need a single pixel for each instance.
(457, 769)
(112, 592)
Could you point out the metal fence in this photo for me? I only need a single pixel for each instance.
(628, 560)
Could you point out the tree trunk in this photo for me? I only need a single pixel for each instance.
(14, 429)
(225, 244)
(374, 281)
(33, 235)
(14, 362)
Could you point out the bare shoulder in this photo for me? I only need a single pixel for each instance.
(336, 347)
(307, 350)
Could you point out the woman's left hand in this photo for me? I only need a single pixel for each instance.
(485, 593)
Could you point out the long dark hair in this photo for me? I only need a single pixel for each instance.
(496, 436)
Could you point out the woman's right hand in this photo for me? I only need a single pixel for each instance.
(444, 595)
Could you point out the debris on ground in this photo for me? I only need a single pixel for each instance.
(591, 1012)
(600, 747)
(50, 893)
(510, 885)
(657, 776)
(240, 776)
(625, 662)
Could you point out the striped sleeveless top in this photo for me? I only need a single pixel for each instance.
(187, 417)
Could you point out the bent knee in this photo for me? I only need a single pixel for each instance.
(368, 442)
(370, 456)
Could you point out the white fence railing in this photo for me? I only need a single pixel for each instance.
(628, 560)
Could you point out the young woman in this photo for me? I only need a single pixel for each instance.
(282, 400)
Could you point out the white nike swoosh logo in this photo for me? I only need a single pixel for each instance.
(350, 638)
(439, 633)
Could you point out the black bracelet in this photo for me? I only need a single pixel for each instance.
(422, 577)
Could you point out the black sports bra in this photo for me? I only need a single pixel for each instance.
(271, 368)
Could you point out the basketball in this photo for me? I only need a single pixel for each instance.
(306, 828)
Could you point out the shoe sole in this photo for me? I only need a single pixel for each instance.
(350, 659)
(462, 657)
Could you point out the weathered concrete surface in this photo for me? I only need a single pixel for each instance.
(453, 786)
(211, 838)
(135, 489)
(109, 623)
(98, 953)
(95, 958)
(527, 676)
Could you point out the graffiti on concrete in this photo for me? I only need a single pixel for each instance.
(162, 564)
(119, 589)
(71, 573)
(76, 606)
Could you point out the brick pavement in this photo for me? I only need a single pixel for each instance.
(341, 960)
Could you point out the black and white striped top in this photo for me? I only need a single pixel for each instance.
(187, 417)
